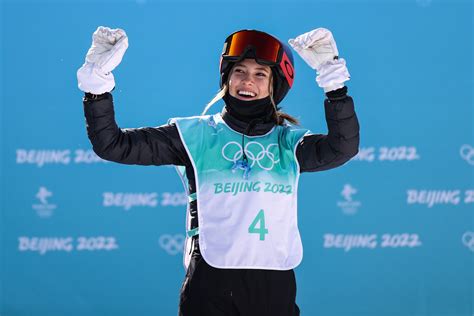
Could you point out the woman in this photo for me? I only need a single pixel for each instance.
(241, 166)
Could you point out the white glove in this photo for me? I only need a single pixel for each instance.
(318, 49)
(107, 50)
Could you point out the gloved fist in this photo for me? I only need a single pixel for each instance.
(315, 47)
(319, 50)
(106, 53)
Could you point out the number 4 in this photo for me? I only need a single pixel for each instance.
(261, 230)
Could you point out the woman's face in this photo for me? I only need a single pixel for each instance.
(249, 80)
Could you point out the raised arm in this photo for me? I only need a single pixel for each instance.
(318, 152)
(321, 152)
(142, 146)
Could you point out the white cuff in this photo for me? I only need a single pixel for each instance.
(334, 87)
(332, 75)
(91, 79)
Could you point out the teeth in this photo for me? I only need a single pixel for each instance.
(247, 93)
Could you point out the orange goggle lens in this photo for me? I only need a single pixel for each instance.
(266, 48)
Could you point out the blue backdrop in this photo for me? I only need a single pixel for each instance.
(390, 233)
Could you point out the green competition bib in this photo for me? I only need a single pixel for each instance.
(246, 194)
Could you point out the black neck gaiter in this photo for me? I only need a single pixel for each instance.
(248, 111)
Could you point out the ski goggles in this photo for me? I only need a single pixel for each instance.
(266, 50)
(265, 47)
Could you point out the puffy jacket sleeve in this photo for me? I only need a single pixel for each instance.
(138, 146)
(317, 152)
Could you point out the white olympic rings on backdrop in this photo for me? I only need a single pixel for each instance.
(265, 158)
(468, 240)
(172, 244)
(467, 153)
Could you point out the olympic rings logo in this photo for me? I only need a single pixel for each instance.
(468, 240)
(265, 158)
(172, 244)
(467, 153)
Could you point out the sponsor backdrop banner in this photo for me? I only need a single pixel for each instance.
(389, 233)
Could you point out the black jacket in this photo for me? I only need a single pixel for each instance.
(162, 145)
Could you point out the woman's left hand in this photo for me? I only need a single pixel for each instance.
(319, 50)
(315, 47)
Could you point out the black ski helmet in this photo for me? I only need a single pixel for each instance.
(266, 50)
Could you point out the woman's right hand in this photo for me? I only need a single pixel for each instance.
(107, 50)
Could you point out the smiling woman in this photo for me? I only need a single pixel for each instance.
(240, 167)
